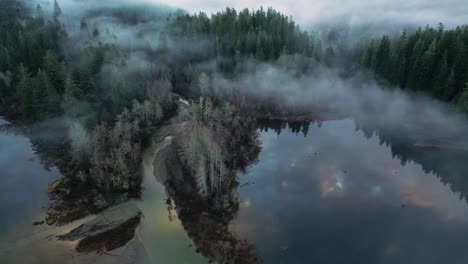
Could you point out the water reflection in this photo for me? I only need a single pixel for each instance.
(23, 192)
(341, 195)
(161, 232)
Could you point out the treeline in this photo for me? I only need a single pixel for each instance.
(92, 106)
(231, 35)
(32, 74)
(433, 60)
(41, 79)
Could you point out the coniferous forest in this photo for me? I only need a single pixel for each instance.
(105, 90)
(432, 60)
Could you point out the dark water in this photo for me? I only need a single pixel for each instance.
(23, 191)
(338, 196)
(335, 195)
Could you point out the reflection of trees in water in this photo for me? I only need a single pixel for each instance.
(206, 219)
(75, 195)
(278, 125)
(208, 226)
(51, 145)
(448, 164)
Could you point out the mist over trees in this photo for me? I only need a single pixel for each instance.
(232, 36)
(432, 60)
(108, 95)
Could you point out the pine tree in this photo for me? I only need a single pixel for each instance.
(163, 42)
(83, 24)
(42, 86)
(237, 62)
(55, 71)
(25, 93)
(72, 90)
(5, 59)
(450, 88)
(39, 12)
(203, 84)
(369, 56)
(441, 77)
(95, 31)
(427, 67)
(329, 56)
(382, 56)
(85, 80)
(463, 101)
(415, 64)
(461, 66)
(57, 9)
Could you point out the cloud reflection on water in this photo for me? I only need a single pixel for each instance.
(348, 195)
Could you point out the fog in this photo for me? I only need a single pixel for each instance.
(386, 109)
(379, 13)
(317, 12)
(360, 97)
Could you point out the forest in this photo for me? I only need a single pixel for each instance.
(106, 106)
(431, 60)
(89, 99)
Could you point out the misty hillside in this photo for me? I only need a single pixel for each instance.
(108, 92)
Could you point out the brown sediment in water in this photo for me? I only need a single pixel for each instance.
(110, 239)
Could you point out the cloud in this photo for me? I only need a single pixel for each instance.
(361, 97)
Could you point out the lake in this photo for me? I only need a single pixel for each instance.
(338, 195)
(320, 193)
(24, 199)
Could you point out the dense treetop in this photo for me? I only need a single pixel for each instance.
(434, 60)
(261, 34)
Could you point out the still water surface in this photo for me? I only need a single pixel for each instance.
(337, 196)
(23, 199)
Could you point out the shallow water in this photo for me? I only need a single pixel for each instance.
(338, 196)
(23, 192)
(160, 231)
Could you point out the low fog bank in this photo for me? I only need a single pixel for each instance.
(129, 24)
(136, 26)
(385, 109)
(363, 17)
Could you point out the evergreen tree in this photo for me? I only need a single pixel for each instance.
(463, 101)
(450, 86)
(72, 90)
(95, 31)
(43, 89)
(39, 12)
(441, 77)
(83, 24)
(25, 93)
(329, 56)
(431, 59)
(368, 59)
(55, 71)
(57, 9)
(382, 56)
(428, 67)
(163, 42)
(461, 65)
